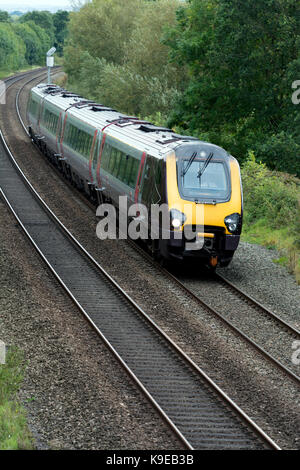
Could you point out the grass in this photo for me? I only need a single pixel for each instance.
(14, 433)
(9, 73)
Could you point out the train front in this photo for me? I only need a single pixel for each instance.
(205, 201)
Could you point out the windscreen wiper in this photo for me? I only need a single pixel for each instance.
(192, 158)
(205, 165)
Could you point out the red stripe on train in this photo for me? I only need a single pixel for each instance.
(99, 160)
(138, 182)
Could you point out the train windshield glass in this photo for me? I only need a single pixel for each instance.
(203, 175)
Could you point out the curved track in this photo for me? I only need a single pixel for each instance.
(256, 318)
(197, 410)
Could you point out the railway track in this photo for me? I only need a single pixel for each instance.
(256, 317)
(201, 415)
(231, 305)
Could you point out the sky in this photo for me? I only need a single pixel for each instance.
(25, 5)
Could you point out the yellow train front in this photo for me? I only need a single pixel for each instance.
(204, 197)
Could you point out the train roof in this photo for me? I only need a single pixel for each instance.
(158, 141)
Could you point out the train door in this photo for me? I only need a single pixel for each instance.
(151, 194)
(151, 182)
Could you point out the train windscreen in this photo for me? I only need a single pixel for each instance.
(203, 174)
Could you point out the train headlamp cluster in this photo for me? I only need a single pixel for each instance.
(232, 222)
(177, 218)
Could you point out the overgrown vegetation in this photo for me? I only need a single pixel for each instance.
(25, 40)
(243, 57)
(272, 211)
(115, 55)
(14, 433)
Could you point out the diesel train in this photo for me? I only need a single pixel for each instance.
(107, 154)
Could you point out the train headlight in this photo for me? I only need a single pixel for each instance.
(177, 218)
(232, 222)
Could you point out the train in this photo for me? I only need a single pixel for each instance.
(108, 154)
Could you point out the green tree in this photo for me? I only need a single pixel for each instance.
(43, 19)
(12, 48)
(101, 28)
(4, 17)
(60, 22)
(239, 55)
(114, 54)
(34, 48)
(145, 54)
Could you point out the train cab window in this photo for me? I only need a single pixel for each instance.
(203, 174)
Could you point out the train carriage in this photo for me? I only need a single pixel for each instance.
(108, 154)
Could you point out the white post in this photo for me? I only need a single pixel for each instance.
(50, 62)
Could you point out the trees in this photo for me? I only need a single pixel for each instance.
(12, 50)
(102, 28)
(114, 54)
(43, 19)
(241, 57)
(26, 41)
(60, 22)
(4, 17)
(27, 32)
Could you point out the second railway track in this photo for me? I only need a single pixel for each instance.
(233, 303)
(196, 409)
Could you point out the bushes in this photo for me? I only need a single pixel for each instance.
(272, 210)
(280, 152)
(269, 195)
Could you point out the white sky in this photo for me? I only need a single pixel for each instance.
(50, 5)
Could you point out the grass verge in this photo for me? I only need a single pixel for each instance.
(272, 212)
(14, 433)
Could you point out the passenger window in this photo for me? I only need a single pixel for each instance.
(105, 157)
(123, 165)
(112, 161)
(134, 173)
(130, 161)
(117, 163)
